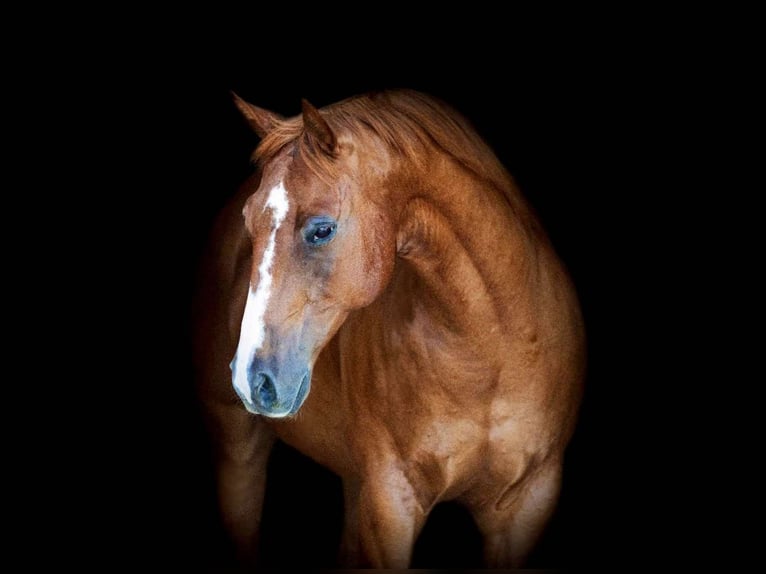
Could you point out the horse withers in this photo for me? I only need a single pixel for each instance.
(380, 296)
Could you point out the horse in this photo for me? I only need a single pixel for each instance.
(381, 296)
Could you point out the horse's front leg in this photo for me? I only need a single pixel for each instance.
(511, 530)
(243, 443)
(383, 518)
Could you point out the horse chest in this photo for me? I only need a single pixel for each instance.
(438, 453)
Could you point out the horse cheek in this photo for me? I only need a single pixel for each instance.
(374, 270)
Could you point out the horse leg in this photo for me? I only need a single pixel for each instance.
(512, 526)
(382, 521)
(243, 444)
(349, 553)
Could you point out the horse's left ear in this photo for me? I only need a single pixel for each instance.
(317, 128)
(260, 120)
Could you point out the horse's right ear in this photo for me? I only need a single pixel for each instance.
(260, 120)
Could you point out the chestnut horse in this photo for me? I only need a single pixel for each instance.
(380, 296)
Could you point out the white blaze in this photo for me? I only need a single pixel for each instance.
(253, 329)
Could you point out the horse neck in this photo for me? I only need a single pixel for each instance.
(466, 247)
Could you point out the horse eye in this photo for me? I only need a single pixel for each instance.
(323, 231)
(320, 231)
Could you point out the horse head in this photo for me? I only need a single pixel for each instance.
(321, 247)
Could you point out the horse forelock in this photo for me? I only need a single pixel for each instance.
(290, 132)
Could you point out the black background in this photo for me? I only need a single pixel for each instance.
(569, 107)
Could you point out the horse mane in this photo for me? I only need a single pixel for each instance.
(405, 121)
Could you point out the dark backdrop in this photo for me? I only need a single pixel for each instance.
(558, 105)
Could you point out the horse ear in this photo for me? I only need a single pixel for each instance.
(260, 120)
(317, 128)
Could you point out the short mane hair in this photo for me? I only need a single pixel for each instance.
(404, 120)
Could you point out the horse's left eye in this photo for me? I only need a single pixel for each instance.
(319, 231)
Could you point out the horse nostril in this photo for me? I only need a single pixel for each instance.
(263, 390)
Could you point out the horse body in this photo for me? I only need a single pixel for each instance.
(450, 370)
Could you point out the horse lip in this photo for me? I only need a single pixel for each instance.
(270, 414)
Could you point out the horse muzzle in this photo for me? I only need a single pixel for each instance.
(271, 391)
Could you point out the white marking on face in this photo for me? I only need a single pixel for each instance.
(253, 328)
